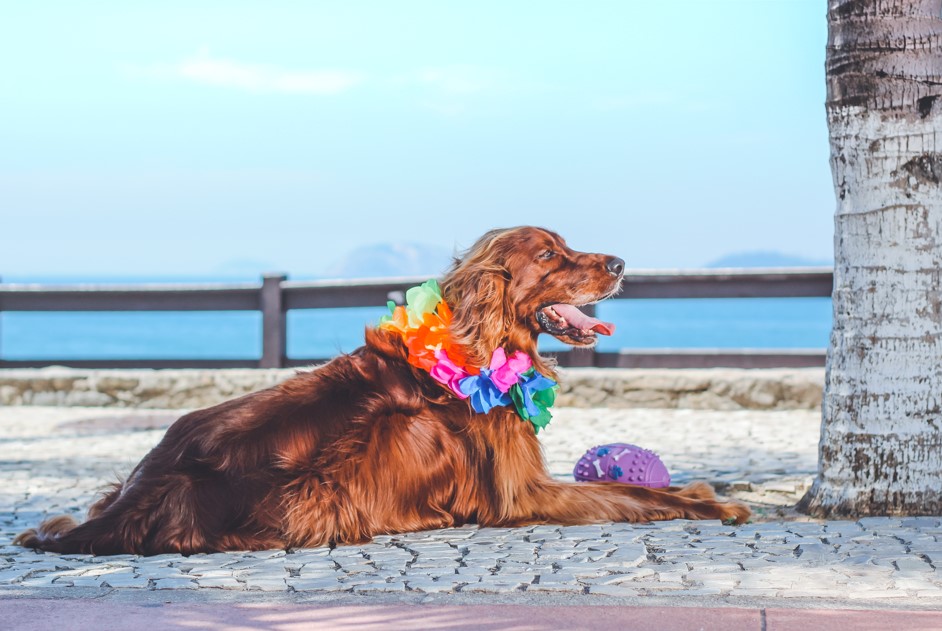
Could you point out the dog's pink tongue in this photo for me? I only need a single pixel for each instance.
(579, 320)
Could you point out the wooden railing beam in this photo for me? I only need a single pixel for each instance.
(789, 283)
(277, 295)
(124, 298)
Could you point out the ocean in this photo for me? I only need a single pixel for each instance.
(758, 323)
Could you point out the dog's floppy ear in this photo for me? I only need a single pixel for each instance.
(476, 290)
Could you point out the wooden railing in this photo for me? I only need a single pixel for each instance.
(276, 295)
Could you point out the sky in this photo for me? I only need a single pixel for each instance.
(206, 138)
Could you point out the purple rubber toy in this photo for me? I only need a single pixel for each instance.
(622, 462)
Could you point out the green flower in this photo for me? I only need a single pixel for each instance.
(533, 395)
(424, 298)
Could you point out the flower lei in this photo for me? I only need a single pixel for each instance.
(423, 322)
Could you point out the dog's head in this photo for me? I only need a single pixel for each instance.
(516, 283)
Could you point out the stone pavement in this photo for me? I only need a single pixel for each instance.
(53, 460)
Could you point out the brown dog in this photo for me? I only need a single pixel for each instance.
(369, 444)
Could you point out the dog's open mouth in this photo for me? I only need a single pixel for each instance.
(567, 321)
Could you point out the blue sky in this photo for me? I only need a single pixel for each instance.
(198, 138)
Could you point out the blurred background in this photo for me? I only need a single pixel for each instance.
(215, 141)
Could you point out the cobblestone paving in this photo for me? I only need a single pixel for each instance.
(53, 460)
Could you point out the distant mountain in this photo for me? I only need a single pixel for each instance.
(766, 259)
(392, 259)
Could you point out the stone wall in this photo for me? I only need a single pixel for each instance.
(716, 389)
(708, 389)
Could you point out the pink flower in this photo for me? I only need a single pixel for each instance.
(448, 372)
(505, 372)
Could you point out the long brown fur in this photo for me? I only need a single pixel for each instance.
(367, 444)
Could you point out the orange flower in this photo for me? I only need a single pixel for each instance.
(429, 335)
(420, 355)
(399, 321)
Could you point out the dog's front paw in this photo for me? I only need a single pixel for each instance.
(734, 513)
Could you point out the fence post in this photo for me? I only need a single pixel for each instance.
(583, 357)
(274, 322)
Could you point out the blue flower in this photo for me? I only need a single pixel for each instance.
(482, 392)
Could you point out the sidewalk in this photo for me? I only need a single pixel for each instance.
(92, 615)
(54, 459)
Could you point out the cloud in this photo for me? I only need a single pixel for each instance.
(458, 79)
(253, 77)
(454, 90)
(448, 91)
(650, 100)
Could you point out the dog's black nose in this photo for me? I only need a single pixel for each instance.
(615, 266)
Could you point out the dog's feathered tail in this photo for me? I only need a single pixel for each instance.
(98, 535)
(49, 535)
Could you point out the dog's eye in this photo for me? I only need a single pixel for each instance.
(547, 255)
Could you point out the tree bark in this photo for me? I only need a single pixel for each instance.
(881, 433)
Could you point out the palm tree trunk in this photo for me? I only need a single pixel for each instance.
(881, 434)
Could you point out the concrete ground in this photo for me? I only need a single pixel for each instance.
(782, 571)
